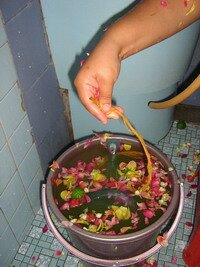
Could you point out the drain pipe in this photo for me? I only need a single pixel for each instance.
(194, 86)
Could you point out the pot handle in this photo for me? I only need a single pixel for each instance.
(106, 262)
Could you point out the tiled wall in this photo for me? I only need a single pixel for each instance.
(20, 171)
(32, 125)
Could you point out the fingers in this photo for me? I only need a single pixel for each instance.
(112, 114)
(96, 112)
(86, 93)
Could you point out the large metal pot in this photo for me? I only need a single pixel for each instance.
(121, 247)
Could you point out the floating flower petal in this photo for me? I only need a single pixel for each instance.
(163, 3)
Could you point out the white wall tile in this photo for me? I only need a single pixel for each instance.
(3, 37)
(2, 137)
(11, 113)
(12, 196)
(29, 166)
(8, 75)
(21, 140)
(7, 167)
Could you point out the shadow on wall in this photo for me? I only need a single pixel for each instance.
(93, 42)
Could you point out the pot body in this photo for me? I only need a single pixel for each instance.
(120, 246)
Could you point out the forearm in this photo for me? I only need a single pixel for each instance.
(149, 23)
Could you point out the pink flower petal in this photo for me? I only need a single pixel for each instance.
(54, 166)
(189, 194)
(82, 62)
(74, 203)
(34, 259)
(193, 186)
(45, 229)
(162, 241)
(65, 206)
(163, 3)
(189, 224)
(86, 199)
(174, 260)
(183, 176)
(182, 155)
(148, 213)
(58, 253)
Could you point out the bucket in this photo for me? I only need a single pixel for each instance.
(112, 250)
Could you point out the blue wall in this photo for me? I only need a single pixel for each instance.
(74, 27)
(32, 125)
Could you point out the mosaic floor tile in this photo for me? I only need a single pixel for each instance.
(40, 248)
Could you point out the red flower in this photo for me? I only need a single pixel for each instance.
(174, 260)
(91, 217)
(189, 194)
(74, 203)
(163, 3)
(45, 229)
(148, 213)
(185, 3)
(189, 224)
(58, 253)
(162, 240)
(193, 186)
(34, 259)
(182, 155)
(54, 166)
(65, 206)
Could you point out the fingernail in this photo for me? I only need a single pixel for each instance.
(106, 107)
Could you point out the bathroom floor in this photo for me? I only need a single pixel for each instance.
(40, 248)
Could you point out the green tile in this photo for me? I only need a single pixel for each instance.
(47, 252)
(26, 259)
(36, 223)
(49, 239)
(30, 250)
(43, 244)
(16, 263)
(29, 239)
(19, 257)
(38, 249)
(35, 241)
(60, 263)
(53, 263)
(43, 237)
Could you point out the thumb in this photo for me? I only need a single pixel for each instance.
(105, 97)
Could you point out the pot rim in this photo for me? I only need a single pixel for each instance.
(120, 238)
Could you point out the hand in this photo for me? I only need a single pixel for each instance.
(96, 79)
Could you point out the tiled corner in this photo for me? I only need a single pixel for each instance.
(11, 113)
(45, 93)
(12, 196)
(29, 166)
(3, 222)
(46, 118)
(7, 169)
(34, 191)
(20, 219)
(2, 137)
(21, 140)
(8, 246)
(3, 37)
(27, 40)
(40, 248)
(7, 71)
(52, 142)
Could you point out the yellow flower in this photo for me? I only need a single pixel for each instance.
(97, 175)
(122, 213)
